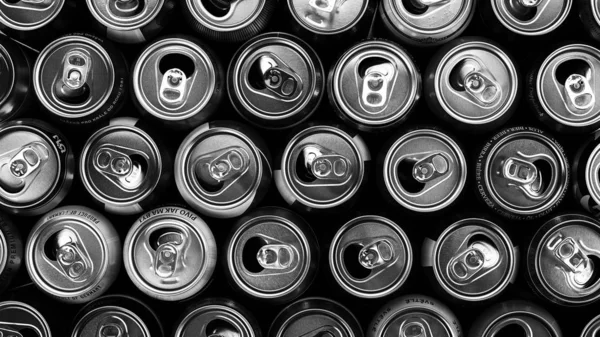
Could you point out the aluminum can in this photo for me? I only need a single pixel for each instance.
(330, 22)
(585, 170)
(118, 316)
(374, 86)
(562, 89)
(414, 315)
(81, 80)
(36, 167)
(589, 13)
(322, 168)
(370, 257)
(223, 169)
(228, 21)
(426, 23)
(592, 328)
(131, 21)
(73, 254)
(217, 317)
(562, 260)
(16, 92)
(178, 82)
(515, 318)
(124, 167)
(275, 81)
(472, 84)
(424, 171)
(11, 252)
(473, 260)
(22, 320)
(170, 253)
(522, 173)
(315, 316)
(271, 254)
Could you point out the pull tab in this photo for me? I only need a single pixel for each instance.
(72, 86)
(572, 258)
(125, 8)
(167, 254)
(18, 173)
(524, 175)
(112, 326)
(223, 166)
(275, 256)
(72, 260)
(376, 254)
(478, 82)
(431, 167)
(327, 6)
(429, 3)
(35, 5)
(119, 167)
(325, 165)
(323, 331)
(173, 87)
(478, 259)
(415, 329)
(530, 3)
(579, 92)
(279, 78)
(224, 331)
(5, 332)
(376, 85)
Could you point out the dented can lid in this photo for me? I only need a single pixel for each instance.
(29, 15)
(111, 321)
(216, 317)
(531, 17)
(370, 257)
(170, 253)
(329, 16)
(375, 83)
(17, 318)
(124, 15)
(227, 15)
(568, 83)
(424, 170)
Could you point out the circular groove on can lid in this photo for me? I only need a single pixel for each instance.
(476, 82)
(517, 317)
(238, 14)
(592, 329)
(18, 316)
(215, 319)
(111, 319)
(174, 79)
(4, 251)
(375, 83)
(7, 77)
(124, 15)
(437, 18)
(592, 174)
(329, 16)
(424, 170)
(73, 76)
(568, 85)
(29, 15)
(536, 20)
(370, 257)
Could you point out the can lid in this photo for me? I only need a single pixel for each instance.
(592, 174)
(3, 252)
(29, 15)
(120, 164)
(474, 259)
(568, 83)
(111, 321)
(7, 78)
(329, 16)
(476, 82)
(30, 166)
(370, 256)
(124, 14)
(276, 76)
(425, 170)
(592, 329)
(270, 256)
(526, 319)
(17, 318)
(322, 167)
(526, 172)
(213, 320)
(376, 83)
(567, 259)
(531, 17)
(174, 79)
(225, 16)
(73, 76)
(170, 252)
(429, 16)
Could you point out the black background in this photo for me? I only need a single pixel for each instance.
(524, 51)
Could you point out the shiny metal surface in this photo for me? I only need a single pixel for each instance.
(513, 318)
(329, 16)
(592, 174)
(123, 15)
(17, 316)
(531, 18)
(215, 318)
(108, 321)
(592, 329)
(236, 15)
(28, 15)
(7, 79)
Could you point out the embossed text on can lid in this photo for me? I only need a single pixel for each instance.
(27, 15)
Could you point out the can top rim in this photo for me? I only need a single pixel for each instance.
(504, 17)
(110, 309)
(19, 27)
(111, 21)
(212, 22)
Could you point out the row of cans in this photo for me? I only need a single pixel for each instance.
(74, 254)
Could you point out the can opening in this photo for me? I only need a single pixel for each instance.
(51, 246)
(221, 328)
(217, 8)
(520, 12)
(352, 263)
(303, 171)
(545, 173)
(415, 7)
(207, 182)
(595, 277)
(571, 67)
(249, 254)
(405, 175)
(177, 61)
(163, 234)
(512, 330)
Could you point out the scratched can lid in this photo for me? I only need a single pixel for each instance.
(29, 15)
(73, 253)
(108, 321)
(531, 17)
(18, 319)
(375, 83)
(563, 259)
(568, 83)
(170, 253)
(476, 82)
(120, 164)
(474, 259)
(217, 317)
(322, 167)
(73, 76)
(370, 257)
(174, 79)
(329, 16)
(592, 329)
(424, 170)
(124, 15)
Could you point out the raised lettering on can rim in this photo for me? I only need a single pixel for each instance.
(29, 15)
(18, 316)
(531, 17)
(11, 252)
